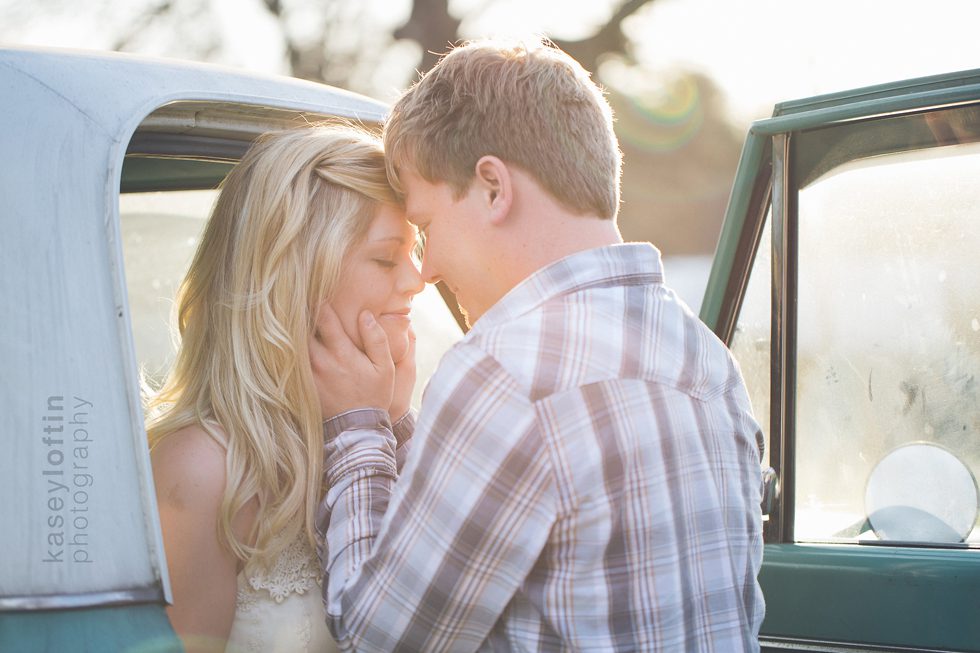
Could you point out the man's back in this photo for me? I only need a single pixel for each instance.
(583, 473)
(656, 540)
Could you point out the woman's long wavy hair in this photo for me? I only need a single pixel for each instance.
(271, 253)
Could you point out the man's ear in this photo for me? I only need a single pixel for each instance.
(496, 187)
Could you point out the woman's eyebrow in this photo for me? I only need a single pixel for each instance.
(398, 239)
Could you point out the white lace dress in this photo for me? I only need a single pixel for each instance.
(282, 611)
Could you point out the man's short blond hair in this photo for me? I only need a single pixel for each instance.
(531, 105)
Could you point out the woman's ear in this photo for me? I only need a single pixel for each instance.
(496, 187)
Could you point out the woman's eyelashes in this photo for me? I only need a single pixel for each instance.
(392, 259)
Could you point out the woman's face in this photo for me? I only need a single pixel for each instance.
(380, 275)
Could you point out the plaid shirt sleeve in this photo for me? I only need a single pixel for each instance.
(430, 562)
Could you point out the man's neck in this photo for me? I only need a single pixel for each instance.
(539, 230)
(551, 236)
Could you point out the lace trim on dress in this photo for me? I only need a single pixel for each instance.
(295, 571)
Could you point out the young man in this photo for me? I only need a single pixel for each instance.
(584, 473)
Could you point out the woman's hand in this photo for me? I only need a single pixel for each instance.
(405, 371)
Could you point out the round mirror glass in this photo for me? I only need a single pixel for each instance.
(921, 492)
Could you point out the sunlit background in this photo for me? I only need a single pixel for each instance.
(686, 77)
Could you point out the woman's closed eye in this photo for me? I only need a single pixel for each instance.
(385, 263)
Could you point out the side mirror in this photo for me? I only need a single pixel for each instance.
(921, 492)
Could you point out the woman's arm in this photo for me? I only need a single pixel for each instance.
(189, 473)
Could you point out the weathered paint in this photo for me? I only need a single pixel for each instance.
(128, 629)
(79, 519)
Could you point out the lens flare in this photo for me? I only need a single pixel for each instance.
(661, 124)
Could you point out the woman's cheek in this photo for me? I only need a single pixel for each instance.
(348, 315)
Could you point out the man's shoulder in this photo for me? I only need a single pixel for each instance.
(606, 333)
(466, 366)
(562, 342)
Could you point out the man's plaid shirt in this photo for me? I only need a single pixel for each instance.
(584, 475)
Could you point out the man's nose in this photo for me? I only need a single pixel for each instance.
(428, 270)
(411, 281)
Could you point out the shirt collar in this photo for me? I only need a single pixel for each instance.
(622, 264)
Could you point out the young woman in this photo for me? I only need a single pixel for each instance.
(235, 433)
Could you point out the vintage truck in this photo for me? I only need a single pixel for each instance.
(846, 281)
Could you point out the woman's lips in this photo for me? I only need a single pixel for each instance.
(399, 316)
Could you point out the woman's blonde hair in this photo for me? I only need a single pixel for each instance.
(531, 105)
(271, 253)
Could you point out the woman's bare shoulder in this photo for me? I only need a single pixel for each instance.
(189, 468)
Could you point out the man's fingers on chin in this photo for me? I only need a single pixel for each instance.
(408, 360)
(375, 339)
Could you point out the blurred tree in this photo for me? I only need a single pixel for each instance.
(338, 42)
(680, 151)
(431, 26)
(434, 28)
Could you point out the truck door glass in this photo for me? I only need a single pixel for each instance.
(751, 342)
(888, 330)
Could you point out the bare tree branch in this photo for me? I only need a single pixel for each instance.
(609, 38)
(140, 23)
(431, 26)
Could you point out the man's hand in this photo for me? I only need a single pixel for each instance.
(401, 400)
(346, 377)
